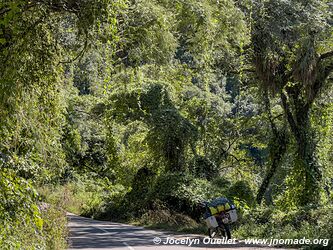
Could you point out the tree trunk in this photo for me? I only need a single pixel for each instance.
(277, 151)
(278, 147)
(306, 159)
(298, 117)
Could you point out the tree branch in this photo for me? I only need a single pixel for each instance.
(277, 116)
(4, 11)
(328, 70)
(322, 76)
(269, 112)
(288, 113)
(325, 56)
(66, 6)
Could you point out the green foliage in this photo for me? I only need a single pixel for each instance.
(18, 207)
(142, 109)
(146, 34)
(241, 190)
(204, 168)
(24, 224)
(269, 222)
(292, 57)
(170, 132)
(55, 231)
(85, 137)
(32, 106)
(164, 218)
(82, 195)
(182, 191)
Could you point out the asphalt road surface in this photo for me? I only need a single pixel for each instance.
(92, 234)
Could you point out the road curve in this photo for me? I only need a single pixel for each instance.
(91, 234)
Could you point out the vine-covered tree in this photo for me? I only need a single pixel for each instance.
(292, 55)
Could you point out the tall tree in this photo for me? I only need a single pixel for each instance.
(291, 53)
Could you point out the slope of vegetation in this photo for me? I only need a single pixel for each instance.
(139, 110)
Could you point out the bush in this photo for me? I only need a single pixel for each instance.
(86, 196)
(23, 224)
(164, 218)
(55, 230)
(204, 168)
(182, 192)
(241, 190)
(270, 222)
(19, 214)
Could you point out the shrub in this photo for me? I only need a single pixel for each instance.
(54, 230)
(23, 224)
(182, 192)
(86, 196)
(19, 214)
(271, 222)
(170, 220)
(241, 190)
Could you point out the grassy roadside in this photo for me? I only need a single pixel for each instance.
(54, 228)
(170, 221)
(48, 230)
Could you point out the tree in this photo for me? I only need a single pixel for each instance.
(291, 42)
(36, 39)
(33, 51)
(277, 147)
(169, 134)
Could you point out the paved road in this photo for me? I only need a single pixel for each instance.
(91, 234)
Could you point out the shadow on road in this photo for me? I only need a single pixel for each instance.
(87, 233)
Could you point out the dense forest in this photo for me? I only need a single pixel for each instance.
(138, 110)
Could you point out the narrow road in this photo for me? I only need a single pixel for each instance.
(87, 234)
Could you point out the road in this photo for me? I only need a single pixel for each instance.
(91, 234)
